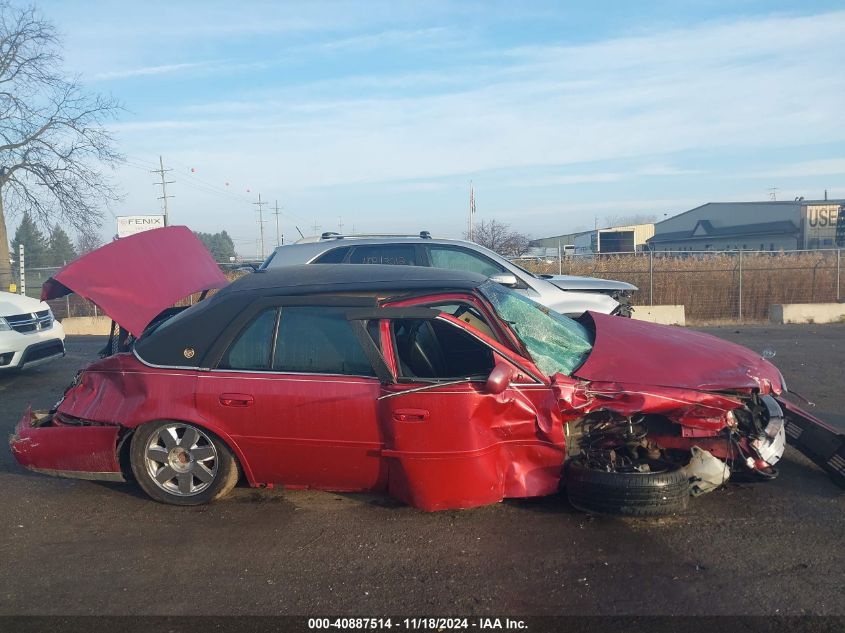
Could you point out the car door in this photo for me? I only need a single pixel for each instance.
(453, 440)
(299, 397)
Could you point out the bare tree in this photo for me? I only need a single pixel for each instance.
(53, 142)
(499, 237)
(87, 241)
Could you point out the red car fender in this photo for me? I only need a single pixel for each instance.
(120, 390)
(212, 426)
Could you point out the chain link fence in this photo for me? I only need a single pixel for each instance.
(71, 305)
(725, 286)
(713, 287)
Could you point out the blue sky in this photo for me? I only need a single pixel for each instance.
(381, 113)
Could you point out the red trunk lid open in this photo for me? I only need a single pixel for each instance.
(134, 278)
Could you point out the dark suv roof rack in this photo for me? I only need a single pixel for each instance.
(331, 235)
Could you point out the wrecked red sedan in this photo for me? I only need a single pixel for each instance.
(442, 389)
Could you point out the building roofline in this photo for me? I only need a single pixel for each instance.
(749, 202)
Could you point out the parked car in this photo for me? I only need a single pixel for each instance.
(29, 335)
(440, 388)
(567, 294)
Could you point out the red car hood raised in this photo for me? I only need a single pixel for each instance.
(134, 278)
(636, 352)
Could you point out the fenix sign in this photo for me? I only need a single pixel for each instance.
(132, 224)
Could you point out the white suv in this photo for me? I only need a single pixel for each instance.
(29, 335)
(566, 294)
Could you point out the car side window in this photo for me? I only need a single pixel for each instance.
(459, 259)
(316, 339)
(467, 313)
(253, 347)
(396, 254)
(434, 349)
(334, 256)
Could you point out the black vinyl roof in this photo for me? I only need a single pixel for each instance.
(333, 278)
(192, 338)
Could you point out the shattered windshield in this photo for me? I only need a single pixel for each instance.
(557, 344)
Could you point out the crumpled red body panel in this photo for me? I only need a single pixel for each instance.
(134, 278)
(687, 407)
(474, 450)
(121, 390)
(670, 356)
(88, 452)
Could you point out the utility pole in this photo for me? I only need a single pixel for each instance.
(279, 238)
(260, 206)
(773, 193)
(316, 228)
(340, 224)
(161, 171)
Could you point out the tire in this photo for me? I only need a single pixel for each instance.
(181, 464)
(627, 494)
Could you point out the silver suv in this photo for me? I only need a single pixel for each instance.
(566, 294)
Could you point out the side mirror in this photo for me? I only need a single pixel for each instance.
(500, 378)
(505, 279)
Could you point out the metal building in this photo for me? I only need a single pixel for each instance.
(614, 239)
(756, 226)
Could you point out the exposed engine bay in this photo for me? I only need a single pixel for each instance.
(748, 446)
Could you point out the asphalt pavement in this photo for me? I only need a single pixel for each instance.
(76, 547)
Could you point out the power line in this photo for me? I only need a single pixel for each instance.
(217, 188)
(197, 183)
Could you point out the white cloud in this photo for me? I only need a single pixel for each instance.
(394, 37)
(146, 71)
(754, 85)
(713, 87)
(822, 167)
(601, 177)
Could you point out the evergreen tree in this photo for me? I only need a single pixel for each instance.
(220, 245)
(61, 249)
(225, 247)
(34, 243)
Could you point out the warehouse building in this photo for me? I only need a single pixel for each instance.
(614, 239)
(758, 226)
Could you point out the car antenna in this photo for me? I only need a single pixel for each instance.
(300, 232)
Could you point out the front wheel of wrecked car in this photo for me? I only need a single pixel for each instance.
(664, 490)
(181, 464)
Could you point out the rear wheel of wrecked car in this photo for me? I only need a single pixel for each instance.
(663, 490)
(179, 463)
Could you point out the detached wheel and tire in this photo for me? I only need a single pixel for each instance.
(663, 491)
(181, 464)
